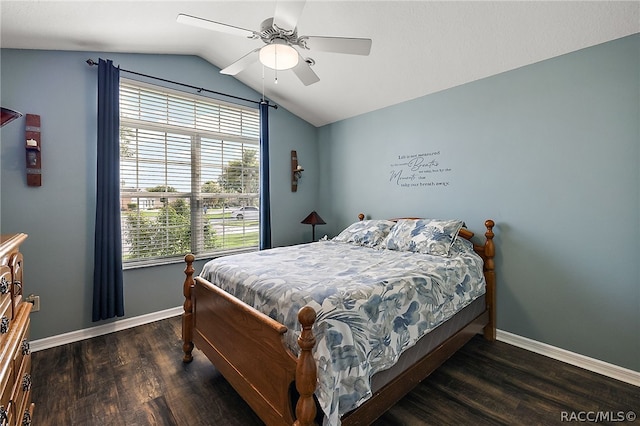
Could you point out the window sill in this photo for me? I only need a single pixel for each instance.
(146, 263)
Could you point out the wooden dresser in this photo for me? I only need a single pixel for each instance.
(16, 407)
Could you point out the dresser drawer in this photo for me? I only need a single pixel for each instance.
(5, 284)
(23, 350)
(16, 263)
(5, 299)
(22, 389)
(6, 325)
(6, 389)
(7, 416)
(7, 379)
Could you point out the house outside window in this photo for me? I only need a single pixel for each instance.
(188, 164)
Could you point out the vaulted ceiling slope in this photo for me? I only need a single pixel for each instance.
(419, 47)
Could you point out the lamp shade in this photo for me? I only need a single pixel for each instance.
(313, 219)
(278, 55)
(8, 115)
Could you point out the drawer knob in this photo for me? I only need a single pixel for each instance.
(26, 419)
(26, 382)
(26, 347)
(4, 324)
(4, 286)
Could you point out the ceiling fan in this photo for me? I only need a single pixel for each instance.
(280, 35)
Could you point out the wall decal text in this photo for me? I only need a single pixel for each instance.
(419, 170)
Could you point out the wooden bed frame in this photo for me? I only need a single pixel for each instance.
(232, 334)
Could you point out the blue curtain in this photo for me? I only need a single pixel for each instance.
(265, 197)
(108, 293)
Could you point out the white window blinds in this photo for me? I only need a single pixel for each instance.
(189, 174)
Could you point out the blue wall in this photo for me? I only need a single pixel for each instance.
(551, 152)
(59, 216)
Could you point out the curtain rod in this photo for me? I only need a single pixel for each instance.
(91, 62)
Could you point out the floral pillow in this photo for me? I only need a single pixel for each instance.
(428, 236)
(368, 233)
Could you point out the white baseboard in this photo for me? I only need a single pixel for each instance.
(591, 364)
(75, 336)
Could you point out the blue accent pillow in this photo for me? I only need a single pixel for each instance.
(367, 233)
(428, 236)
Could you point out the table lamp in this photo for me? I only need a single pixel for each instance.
(313, 219)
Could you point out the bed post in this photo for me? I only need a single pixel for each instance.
(306, 374)
(187, 315)
(490, 277)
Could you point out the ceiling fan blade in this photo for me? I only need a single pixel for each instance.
(214, 26)
(305, 73)
(241, 63)
(287, 14)
(351, 46)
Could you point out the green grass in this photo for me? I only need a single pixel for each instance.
(237, 240)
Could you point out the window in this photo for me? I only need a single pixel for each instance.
(188, 165)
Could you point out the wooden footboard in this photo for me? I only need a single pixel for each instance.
(248, 348)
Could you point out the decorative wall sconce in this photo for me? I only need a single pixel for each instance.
(296, 171)
(33, 147)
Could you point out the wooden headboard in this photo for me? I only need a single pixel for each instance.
(486, 250)
(464, 232)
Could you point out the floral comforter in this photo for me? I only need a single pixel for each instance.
(371, 304)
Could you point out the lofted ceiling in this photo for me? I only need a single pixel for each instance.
(419, 47)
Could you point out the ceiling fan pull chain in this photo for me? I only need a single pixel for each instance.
(275, 58)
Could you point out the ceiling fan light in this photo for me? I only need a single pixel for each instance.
(278, 55)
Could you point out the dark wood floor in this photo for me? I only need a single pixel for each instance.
(136, 377)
